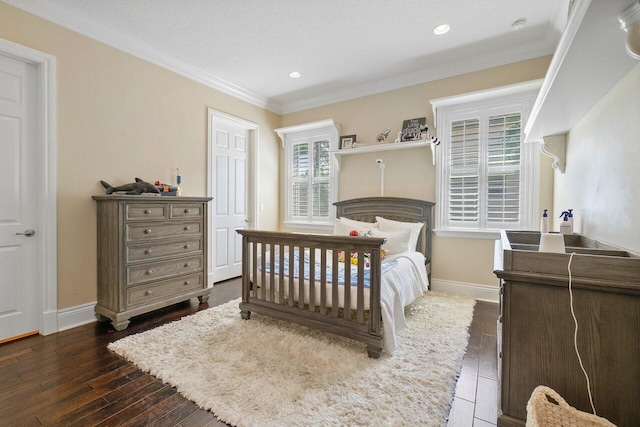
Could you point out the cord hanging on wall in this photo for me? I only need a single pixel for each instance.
(380, 163)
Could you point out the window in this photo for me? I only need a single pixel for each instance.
(310, 174)
(486, 175)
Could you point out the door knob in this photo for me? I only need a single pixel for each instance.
(247, 220)
(28, 233)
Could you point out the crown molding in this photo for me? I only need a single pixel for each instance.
(450, 69)
(97, 31)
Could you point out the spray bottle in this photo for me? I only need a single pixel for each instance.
(544, 222)
(570, 217)
(565, 225)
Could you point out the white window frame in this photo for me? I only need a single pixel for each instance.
(482, 105)
(308, 133)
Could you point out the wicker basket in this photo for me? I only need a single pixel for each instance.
(541, 412)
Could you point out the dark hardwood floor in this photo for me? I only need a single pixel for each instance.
(71, 378)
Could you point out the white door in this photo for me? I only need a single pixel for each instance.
(230, 170)
(19, 171)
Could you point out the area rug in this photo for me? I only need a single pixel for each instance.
(266, 372)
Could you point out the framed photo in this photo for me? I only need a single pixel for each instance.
(346, 141)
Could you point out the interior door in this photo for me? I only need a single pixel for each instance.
(230, 174)
(19, 171)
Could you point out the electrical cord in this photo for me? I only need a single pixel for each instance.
(575, 336)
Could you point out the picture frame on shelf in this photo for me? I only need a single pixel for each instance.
(411, 129)
(347, 141)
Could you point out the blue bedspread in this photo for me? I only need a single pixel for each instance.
(386, 265)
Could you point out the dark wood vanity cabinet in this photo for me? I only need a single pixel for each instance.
(536, 329)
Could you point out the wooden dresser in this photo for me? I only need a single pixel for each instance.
(152, 252)
(536, 329)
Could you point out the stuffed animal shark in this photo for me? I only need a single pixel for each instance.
(133, 188)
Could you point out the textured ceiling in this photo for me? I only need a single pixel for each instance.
(343, 48)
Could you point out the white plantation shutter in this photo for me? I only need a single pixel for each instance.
(503, 169)
(311, 179)
(486, 174)
(464, 184)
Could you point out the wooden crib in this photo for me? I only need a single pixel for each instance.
(270, 287)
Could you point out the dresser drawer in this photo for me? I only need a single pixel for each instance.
(185, 210)
(161, 270)
(143, 211)
(162, 290)
(151, 251)
(160, 230)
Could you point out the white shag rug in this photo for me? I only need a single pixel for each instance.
(266, 372)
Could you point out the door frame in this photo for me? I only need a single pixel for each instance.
(46, 182)
(252, 181)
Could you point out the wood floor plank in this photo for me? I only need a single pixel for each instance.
(468, 380)
(180, 412)
(139, 407)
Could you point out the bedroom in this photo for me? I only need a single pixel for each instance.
(98, 85)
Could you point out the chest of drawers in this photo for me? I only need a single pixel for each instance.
(152, 252)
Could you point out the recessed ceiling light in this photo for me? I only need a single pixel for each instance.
(518, 24)
(441, 29)
(294, 74)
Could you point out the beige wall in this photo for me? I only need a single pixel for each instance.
(410, 172)
(120, 117)
(602, 178)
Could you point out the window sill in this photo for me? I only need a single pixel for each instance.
(468, 234)
(307, 225)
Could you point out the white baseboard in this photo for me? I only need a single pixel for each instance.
(479, 292)
(82, 314)
(75, 316)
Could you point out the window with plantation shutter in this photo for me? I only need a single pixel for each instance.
(486, 175)
(311, 178)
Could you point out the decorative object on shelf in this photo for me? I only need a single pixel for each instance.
(179, 182)
(347, 141)
(630, 23)
(383, 136)
(412, 129)
(134, 188)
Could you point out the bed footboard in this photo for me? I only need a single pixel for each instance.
(298, 278)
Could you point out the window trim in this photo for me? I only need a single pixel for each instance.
(327, 129)
(448, 109)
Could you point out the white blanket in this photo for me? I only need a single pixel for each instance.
(400, 286)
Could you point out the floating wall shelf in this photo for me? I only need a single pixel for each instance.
(384, 147)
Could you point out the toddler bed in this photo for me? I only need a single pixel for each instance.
(346, 285)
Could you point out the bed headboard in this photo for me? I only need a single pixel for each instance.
(394, 208)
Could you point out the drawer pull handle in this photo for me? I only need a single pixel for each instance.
(186, 228)
(186, 282)
(147, 251)
(187, 246)
(147, 211)
(188, 264)
(147, 231)
(187, 210)
(148, 293)
(148, 272)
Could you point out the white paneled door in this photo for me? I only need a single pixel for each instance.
(230, 171)
(19, 172)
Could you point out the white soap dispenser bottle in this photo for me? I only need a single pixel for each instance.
(565, 225)
(570, 218)
(544, 222)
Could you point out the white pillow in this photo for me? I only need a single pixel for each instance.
(342, 227)
(397, 241)
(413, 227)
(361, 224)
